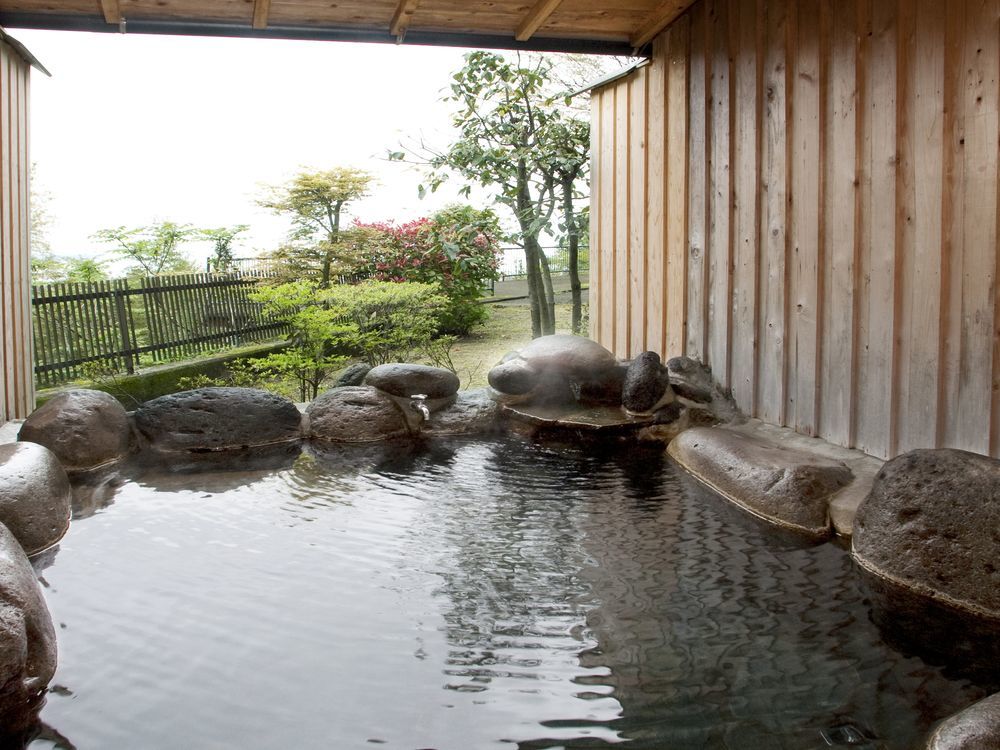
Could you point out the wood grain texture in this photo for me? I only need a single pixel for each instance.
(112, 12)
(772, 366)
(537, 16)
(620, 266)
(597, 136)
(261, 13)
(804, 218)
(677, 188)
(658, 20)
(745, 154)
(17, 376)
(656, 190)
(699, 74)
(638, 180)
(402, 16)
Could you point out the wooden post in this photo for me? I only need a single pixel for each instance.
(127, 351)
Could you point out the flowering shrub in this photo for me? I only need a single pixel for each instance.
(455, 250)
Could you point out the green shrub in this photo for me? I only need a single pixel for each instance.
(375, 321)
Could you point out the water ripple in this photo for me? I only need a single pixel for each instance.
(461, 595)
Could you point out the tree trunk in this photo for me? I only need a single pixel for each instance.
(573, 231)
(550, 295)
(525, 215)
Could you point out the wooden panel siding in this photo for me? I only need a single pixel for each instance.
(819, 202)
(16, 378)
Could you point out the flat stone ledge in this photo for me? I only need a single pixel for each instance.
(794, 450)
(844, 504)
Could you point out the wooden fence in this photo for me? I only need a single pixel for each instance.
(117, 324)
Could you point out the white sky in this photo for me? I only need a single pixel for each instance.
(133, 129)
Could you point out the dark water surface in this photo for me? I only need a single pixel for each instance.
(466, 595)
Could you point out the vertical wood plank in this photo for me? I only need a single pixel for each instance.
(606, 287)
(595, 251)
(656, 138)
(921, 172)
(745, 160)
(878, 256)
(7, 72)
(699, 74)
(804, 219)
(26, 362)
(677, 181)
(772, 371)
(720, 246)
(622, 259)
(978, 137)
(638, 179)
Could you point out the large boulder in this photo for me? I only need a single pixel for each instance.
(974, 728)
(473, 412)
(405, 380)
(27, 638)
(925, 543)
(357, 414)
(560, 369)
(84, 428)
(215, 419)
(575, 357)
(789, 488)
(35, 495)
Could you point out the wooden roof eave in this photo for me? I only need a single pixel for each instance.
(95, 23)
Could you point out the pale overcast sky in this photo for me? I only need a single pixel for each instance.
(133, 129)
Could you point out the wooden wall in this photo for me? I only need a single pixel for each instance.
(804, 195)
(16, 372)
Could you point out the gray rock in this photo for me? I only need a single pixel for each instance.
(560, 369)
(400, 379)
(786, 487)
(473, 412)
(209, 419)
(575, 357)
(925, 542)
(27, 638)
(512, 376)
(691, 379)
(352, 375)
(646, 383)
(356, 415)
(35, 495)
(974, 728)
(84, 428)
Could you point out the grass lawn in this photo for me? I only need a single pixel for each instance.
(508, 328)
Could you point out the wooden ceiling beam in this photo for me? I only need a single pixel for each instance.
(261, 11)
(112, 11)
(535, 18)
(402, 17)
(657, 21)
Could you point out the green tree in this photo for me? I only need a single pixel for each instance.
(510, 129)
(222, 239)
(85, 270)
(315, 202)
(153, 250)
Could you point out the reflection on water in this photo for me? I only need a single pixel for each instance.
(461, 595)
